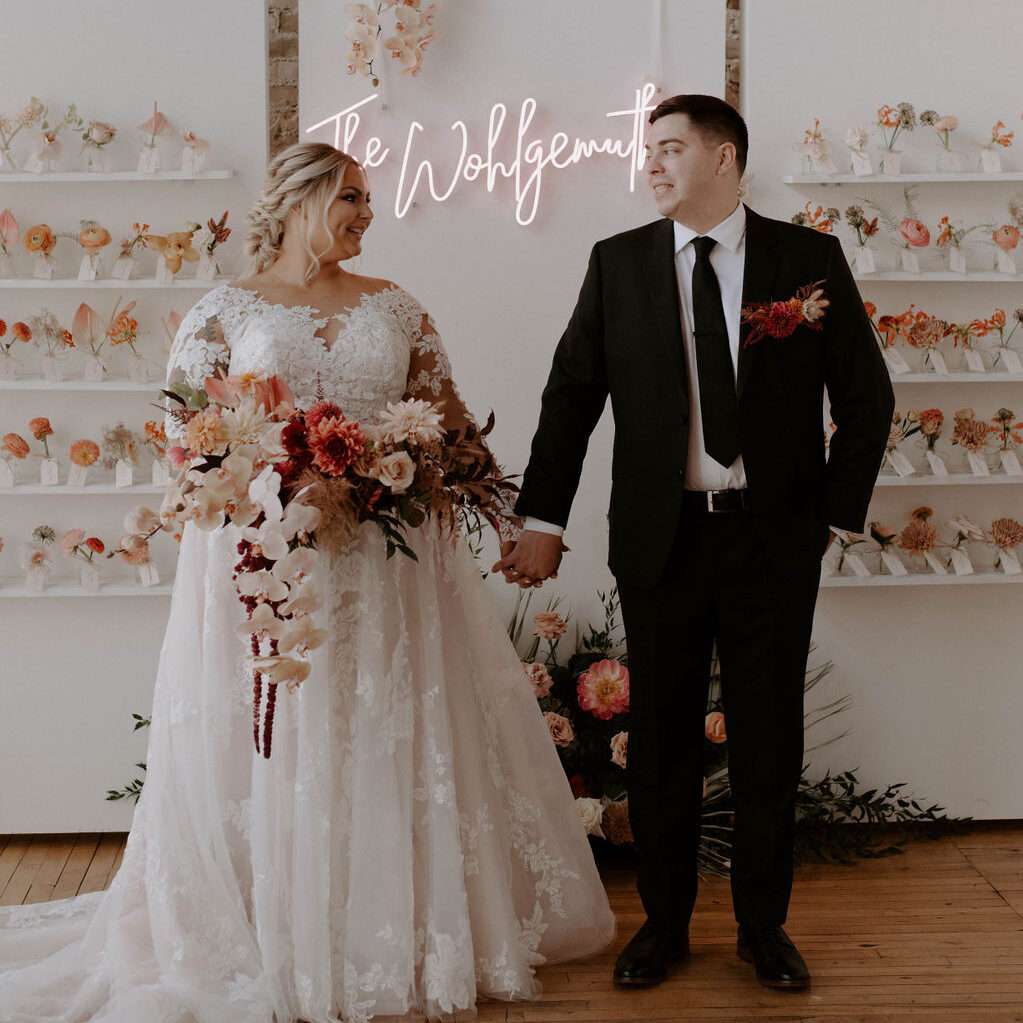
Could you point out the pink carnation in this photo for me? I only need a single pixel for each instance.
(539, 677)
(603, 689)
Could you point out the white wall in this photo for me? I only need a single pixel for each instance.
(72, 671)
(501, 293)
(934, 672)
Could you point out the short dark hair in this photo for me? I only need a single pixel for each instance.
(713, 118)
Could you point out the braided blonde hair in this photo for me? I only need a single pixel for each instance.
(309, 173)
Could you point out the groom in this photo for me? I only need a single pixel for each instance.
(721, 503)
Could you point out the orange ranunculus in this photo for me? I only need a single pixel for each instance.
(93, 237)
(16, 445)
(84, 452)
(888, 116)
(40, 238)
(870, 308)
(40, 427)
(22, 331)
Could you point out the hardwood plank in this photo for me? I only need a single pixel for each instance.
(934, 935)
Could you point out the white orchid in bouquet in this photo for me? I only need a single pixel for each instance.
(413, 31)
(293, 481)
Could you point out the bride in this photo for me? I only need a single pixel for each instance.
(412, 845)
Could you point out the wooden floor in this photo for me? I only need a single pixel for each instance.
(933, 934)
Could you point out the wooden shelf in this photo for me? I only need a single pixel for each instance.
(944, 276)
(134, 284)
(899, 179)
(109, 386)
(25, 177)
(15, 587)
(955, 479)
(90, 489)
(917, 579)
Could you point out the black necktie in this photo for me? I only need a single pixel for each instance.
(719, 407)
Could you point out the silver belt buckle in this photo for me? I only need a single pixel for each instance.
(710, 500)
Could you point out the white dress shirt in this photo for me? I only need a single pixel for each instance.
(728, 260)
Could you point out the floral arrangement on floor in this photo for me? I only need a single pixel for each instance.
(293, 481)
(584, 696)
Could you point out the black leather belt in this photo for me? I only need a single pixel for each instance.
(713, 501)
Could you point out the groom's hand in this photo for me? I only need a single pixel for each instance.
(532, 559)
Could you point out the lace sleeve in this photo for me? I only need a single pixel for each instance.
(199, 349)
(430, 379)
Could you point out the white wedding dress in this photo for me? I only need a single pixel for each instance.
(412, 843)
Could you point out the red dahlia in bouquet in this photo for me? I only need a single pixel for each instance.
(297, 480)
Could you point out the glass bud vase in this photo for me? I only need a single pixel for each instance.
(89, 577)
(891, 161)
(949, 161)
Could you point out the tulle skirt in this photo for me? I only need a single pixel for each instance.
(410, 847)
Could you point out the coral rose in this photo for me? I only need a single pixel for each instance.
(16, 445)
(40, 427)
(603, 689)
(1006, 237)
(620, 748)
(915, 232)
(549, 625)
(560, 728)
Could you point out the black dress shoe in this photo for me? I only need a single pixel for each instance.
(645, 960)
(777, 960)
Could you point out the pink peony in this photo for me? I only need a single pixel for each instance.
(603, 689)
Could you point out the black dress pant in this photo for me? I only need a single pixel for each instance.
(748, 583)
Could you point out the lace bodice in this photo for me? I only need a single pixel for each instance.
(387, 347)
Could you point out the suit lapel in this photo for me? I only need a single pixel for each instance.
(759, 277)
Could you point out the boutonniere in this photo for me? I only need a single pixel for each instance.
(780, 319)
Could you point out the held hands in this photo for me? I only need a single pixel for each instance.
(534, 558)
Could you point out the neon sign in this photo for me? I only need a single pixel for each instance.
(533, 156)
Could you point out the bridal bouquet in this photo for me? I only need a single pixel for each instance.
(294, 481)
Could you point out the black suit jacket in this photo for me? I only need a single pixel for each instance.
(625, 339)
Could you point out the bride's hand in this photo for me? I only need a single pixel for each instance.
(532, 559)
